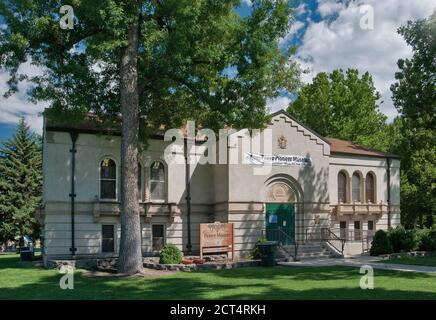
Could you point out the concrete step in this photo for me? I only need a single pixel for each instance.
(312, 250)
(314, 254)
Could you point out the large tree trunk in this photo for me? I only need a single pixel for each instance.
(130, 257)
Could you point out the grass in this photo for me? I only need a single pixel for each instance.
(24, 281)
(417, 261)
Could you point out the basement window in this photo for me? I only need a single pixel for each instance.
(158, 234)
(108, 238)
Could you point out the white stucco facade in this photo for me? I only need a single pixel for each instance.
(219, 192)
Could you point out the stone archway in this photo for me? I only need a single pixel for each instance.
(282, 192)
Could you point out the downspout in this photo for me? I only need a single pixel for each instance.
(188, 194)
(388, 182)
(73, 135)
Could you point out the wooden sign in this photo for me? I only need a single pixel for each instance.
(216, 238)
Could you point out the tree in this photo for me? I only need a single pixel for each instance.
(165, 61)
(20, 184)
(414, 95)
(342, 105)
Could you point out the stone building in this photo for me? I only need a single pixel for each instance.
(314, 186)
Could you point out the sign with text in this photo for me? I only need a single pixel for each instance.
(278, 160)
(216, 237)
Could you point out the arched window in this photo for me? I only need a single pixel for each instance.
(370, 188)
(108, 179)
(342, 187)
(356, 187)
(140, 184)
(157, 181)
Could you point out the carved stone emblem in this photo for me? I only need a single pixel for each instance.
(282, 142)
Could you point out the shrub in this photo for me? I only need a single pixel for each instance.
(170, 254)
(397, 238)
(411, 240)
(403, 240)
(255, 252)
(380, 244)
(427, 239)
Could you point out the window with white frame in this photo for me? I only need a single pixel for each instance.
(157, 181)
(108, 179)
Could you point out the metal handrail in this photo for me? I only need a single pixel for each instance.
(283, 239)
(331, 234)
(333, 237)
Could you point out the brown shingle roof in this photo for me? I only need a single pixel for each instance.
(348, 147)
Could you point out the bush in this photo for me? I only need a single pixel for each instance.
(397, 238)
(170, 254)
(427, 239)
(403, 240)
(411, 240)
(380, 244)
(255, 252)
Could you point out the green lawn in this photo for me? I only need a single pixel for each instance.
(418, 261)
(22, 281)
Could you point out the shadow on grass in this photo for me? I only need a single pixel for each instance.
(245, 283)
(309, 273)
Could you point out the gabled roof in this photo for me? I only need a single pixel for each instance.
(339, 146)
(281, 111)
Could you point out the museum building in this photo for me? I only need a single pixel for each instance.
(314, 186)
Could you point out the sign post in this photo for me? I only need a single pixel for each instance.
(217, 237)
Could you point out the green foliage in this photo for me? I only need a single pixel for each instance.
(164, 62)
(170, 254)
(380, 244)
(255, 252)
(397, 238)
(197, 59)
(414, 95)
(20, 184)
(344, 106)
(404, 240)
(427, 239)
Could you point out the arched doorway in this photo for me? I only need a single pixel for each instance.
(282, 195)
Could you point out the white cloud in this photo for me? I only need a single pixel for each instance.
(277, 103)
(18, 105)
(295, 27)
(329, 7)
(341, 43)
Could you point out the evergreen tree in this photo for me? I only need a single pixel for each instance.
(20, 184)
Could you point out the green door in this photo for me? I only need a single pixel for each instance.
(280, 216)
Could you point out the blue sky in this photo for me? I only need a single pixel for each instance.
(328, 35)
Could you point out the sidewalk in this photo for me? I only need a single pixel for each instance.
(358, 262)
